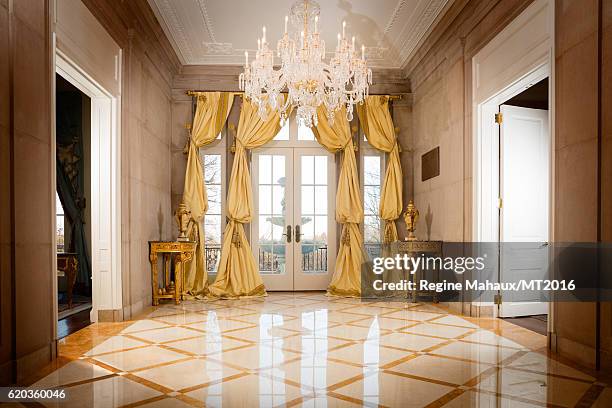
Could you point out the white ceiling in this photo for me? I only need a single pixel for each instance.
(205, 32)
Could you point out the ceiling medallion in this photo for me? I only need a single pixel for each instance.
(308, 80)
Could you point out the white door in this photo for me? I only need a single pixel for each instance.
(293, 229)
(524, 213)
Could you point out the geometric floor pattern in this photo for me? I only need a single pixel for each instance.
(306, 349)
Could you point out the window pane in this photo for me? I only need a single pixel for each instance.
(278, 162)
(371, 229)
(60, 233)
(307, 229)
(321, 170)
(265, 199)
(214, 198)
(265, 169)
(212, 168)
(307, 200)
(321, 229)
(58, 205)
(278, 200)
(371, 199)
(212, 229)
(307, 169)
(371, 170)
(320, 199)
(265, 229)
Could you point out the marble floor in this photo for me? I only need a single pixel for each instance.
(306, 349)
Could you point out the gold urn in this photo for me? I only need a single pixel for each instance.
(411, 216)
(183, 218)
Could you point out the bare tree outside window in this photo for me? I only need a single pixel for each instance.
(372, 223)
(212, 171)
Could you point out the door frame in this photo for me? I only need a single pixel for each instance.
(520, 55)
(293, 150)
(105, 187)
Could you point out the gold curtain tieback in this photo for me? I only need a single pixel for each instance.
(388, 232)
(396, 144)
(236, 238)
(346, 237)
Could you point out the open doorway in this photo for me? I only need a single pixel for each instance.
(98, 197)
(512, 108)
(73, 211)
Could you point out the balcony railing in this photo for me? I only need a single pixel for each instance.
(373, 249)
(212, 255)
(268, 261)
(315, 261)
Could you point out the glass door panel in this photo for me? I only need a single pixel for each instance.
(314, 217)
(272, 194)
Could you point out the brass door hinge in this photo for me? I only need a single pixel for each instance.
(500, 202)
(497, 299)
(499, 118)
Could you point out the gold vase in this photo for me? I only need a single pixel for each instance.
(183, 216)
(411, 216)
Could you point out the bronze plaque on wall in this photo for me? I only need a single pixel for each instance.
(430, 164)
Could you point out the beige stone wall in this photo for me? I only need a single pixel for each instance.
(26, 234)
(440, 76)
(149, 64)
(583, 199)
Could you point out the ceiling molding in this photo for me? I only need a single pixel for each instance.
(207, 21)
(201, 35)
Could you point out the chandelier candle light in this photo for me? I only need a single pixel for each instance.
(308, 80)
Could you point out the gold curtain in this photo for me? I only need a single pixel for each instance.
(376, 121)
(238, 274)
(349, 209)
(211, 113)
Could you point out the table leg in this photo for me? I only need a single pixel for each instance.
(178, 281)
(154, 285)
(167, 271)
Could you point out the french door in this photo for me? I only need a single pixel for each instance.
(293, 231)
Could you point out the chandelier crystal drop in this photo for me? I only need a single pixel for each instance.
(303, 74)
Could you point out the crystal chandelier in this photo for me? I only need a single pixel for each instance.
(308, 80)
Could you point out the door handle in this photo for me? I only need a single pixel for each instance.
(288, 233)
(298, 236)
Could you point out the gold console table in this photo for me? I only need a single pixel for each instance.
(414, 249)
(182, 252)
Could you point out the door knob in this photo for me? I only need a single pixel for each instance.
(288, 233)
(298, 236)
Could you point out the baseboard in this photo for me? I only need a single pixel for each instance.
(136, 308)
(111, 315)
(479, 310)
(574, 351)
(6, 373)
(29, 364)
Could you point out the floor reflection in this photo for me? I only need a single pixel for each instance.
(306, 349)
